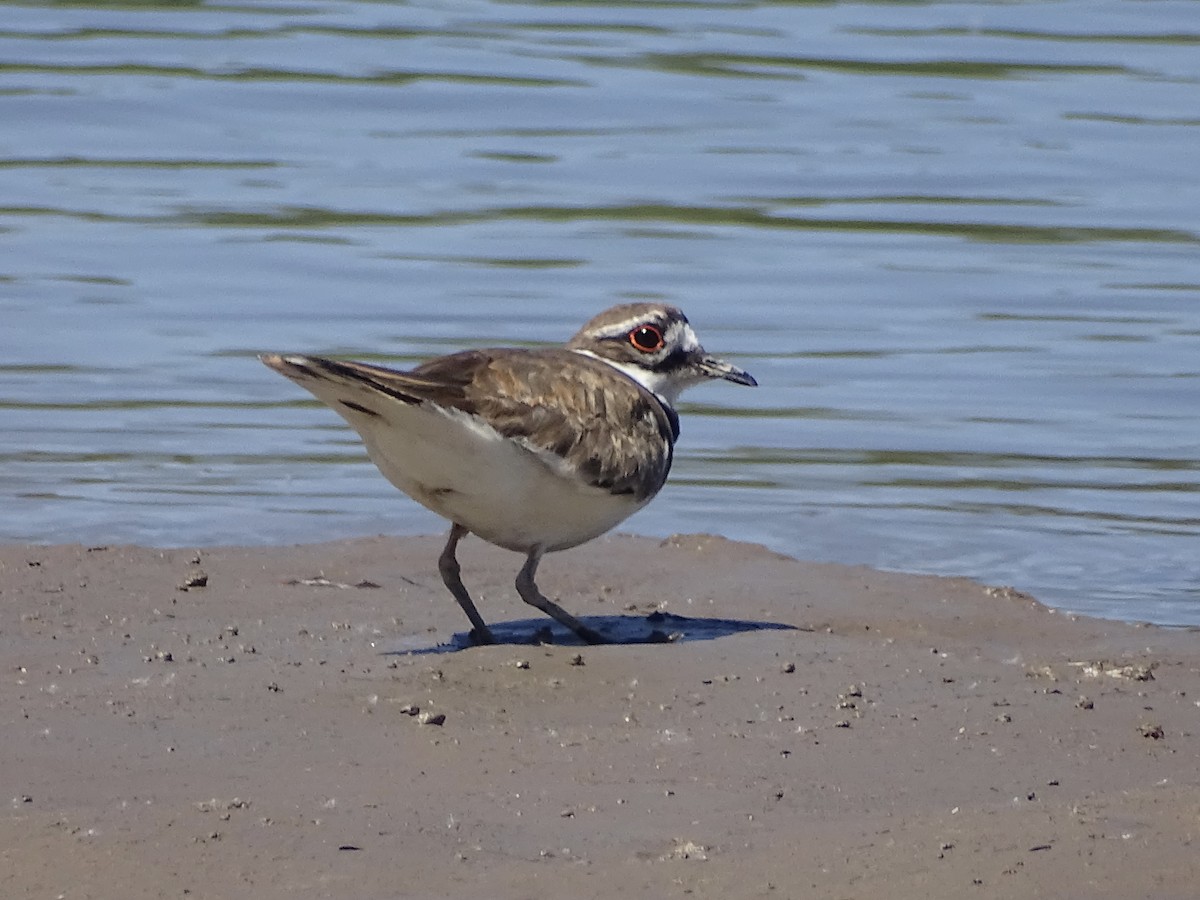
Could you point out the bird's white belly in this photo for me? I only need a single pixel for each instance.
(461, 468)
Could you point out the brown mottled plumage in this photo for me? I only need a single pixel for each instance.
(615, 432)
(533, 450)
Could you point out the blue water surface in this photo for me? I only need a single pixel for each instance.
(957, 243)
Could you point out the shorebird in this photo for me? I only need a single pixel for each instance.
(532, 450)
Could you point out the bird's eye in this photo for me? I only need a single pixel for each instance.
(646, 338)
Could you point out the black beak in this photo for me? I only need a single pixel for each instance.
(712, 367)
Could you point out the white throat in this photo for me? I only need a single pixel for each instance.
(667, 389)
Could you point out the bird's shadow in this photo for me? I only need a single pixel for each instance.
(656, 628)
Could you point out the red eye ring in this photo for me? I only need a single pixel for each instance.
(647, 338)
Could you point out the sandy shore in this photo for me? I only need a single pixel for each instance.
(307, 724)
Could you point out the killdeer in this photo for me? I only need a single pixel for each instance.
(532, 450)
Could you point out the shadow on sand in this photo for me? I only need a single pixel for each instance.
(656, 628)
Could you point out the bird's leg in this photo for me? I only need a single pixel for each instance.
(530, 594)
(448, 566)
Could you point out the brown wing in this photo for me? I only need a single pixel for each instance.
(618, 434)
(615, 431)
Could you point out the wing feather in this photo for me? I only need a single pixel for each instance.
(611, 429)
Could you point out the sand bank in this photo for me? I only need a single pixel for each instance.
(305, 722)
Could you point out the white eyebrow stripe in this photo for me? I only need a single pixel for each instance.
(622, 328)
(681, 334)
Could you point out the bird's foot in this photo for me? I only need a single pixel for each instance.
(481, 636)
(590, 635)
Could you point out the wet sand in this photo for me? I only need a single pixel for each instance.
(306, 722)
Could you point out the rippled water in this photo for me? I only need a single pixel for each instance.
(959, 245)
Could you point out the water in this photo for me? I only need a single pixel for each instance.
(957, 243)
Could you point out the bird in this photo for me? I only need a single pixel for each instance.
(533, 450)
